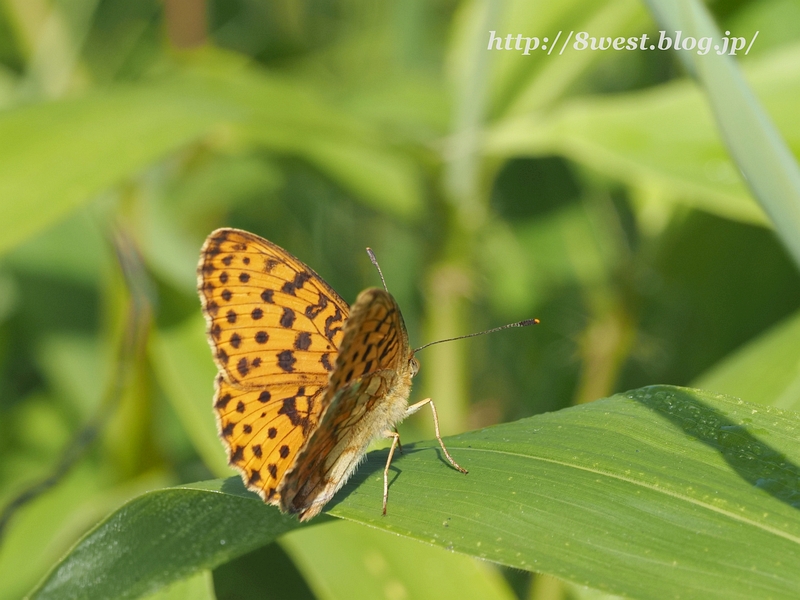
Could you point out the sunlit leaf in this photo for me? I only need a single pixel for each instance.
(766, 370)
(661, 491)
(56, 156)
(184, 368)
(196, 587)
(664, 138)
(754, 141)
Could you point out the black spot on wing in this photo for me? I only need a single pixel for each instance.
(287, 318)
(223, 401)
(302, 341)
(242, 367)
(289, 409)
(330, 330)
(289, 287)
(286, 361)
(314, 309)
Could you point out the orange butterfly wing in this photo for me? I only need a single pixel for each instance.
(275, 328)
(367, 396)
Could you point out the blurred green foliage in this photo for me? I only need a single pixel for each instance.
(590, 190)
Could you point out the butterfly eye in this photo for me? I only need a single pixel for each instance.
(413, 365)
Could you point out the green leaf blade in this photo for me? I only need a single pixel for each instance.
(652, 493)
(755, 144)
(658, 492)
(162, 537)
(765, 370)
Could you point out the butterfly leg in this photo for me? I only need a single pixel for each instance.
(399, 444)
(395, 442)
(414, 408)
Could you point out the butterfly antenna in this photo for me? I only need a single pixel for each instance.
(524, 323)
(377, 266)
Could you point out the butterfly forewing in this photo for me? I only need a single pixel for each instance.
(270, 317)
(275, 328)
(367, 395)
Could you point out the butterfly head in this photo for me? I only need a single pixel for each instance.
(413, 365)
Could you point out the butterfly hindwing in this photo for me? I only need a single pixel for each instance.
(263, 429)
(367, 395)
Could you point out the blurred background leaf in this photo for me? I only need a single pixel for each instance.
(591, 189)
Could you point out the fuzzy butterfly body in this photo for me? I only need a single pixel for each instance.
(305, 383)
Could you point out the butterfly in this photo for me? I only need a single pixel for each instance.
(305, 381)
